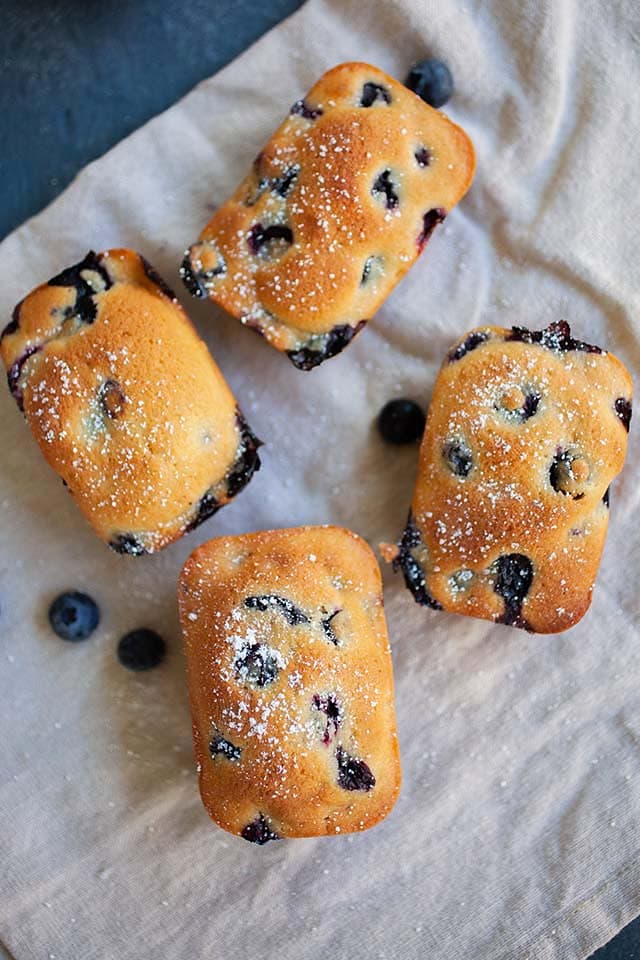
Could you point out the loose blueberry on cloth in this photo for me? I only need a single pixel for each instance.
(74, 616)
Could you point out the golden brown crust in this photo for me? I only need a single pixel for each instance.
(352, 235)
(124, 400)
(525, 433)
(300, 609)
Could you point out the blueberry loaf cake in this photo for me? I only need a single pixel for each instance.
(125, 401)
(291, 684)
(336, 209)
(525, 432)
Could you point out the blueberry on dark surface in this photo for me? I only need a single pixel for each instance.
(430, 221)
(513, 577)
(257, 664)
(373, 92)
(219, 746)
(458, 457)
(413, 572)
(74, 616)
(129, 544)
(271, 601)
(470, 343)
(302, 109)
(384, 186)
(259, 831)
(431, 79)
(141, 650)
(623, 411)
(401, 421)
(306, 358)
(353, 774)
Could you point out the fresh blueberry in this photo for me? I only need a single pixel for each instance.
(353, 774)
(74, 616)
(432, 81)
(401, 421)
(141, 650)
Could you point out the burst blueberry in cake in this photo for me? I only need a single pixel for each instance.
(525, 433)
(125, 401)
(335, 210)
(290, 681)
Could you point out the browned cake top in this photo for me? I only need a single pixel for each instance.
(290, 681)
(336, 209)
(525, 433)
(122, 397)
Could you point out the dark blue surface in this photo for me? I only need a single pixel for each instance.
(76, 77)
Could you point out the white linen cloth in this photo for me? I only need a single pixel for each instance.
(516, 834)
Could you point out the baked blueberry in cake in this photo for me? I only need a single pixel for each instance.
(125, 401)
(290, 681)
(335, 210)
(525, 433)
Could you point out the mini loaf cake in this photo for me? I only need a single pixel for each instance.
(525, 432)
(291, 684)
(125, 401)
(336, 209)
